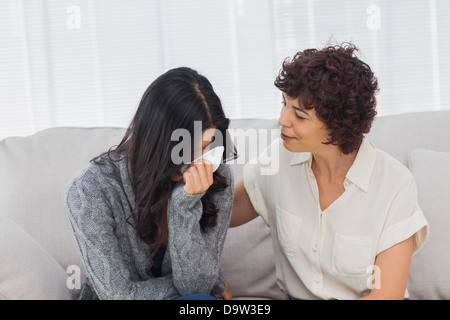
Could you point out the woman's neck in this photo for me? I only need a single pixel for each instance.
(331, 164)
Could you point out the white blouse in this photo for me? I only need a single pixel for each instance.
(330, 254)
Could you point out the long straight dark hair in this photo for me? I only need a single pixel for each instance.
(175, 100)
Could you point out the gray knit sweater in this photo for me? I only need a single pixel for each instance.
(99, 200)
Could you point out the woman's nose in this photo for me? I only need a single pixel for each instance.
(284, 120)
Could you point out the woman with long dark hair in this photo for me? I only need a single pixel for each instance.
(146, 228)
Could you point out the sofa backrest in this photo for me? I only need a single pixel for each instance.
(399, 134)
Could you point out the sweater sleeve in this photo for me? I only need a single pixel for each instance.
(93, 226)
(196, 254)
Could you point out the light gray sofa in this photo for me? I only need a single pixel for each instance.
(39, 258)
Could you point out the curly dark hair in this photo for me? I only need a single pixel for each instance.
(340, 87)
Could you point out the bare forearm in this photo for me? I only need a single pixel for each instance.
(391, 273)
(243, 210)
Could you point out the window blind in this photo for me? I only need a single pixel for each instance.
(87, 63)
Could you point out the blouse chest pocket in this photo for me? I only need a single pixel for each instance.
(352, 255)
(288, 230)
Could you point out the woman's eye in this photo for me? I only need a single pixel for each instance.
(299, 117)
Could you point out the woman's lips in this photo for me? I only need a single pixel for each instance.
(285, 137)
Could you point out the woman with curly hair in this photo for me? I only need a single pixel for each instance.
(343, 214)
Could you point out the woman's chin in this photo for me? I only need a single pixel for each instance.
(294, 147)
(290, 147)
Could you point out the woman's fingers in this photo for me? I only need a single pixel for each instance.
(209, 172)
(198, 177)
(226, 294)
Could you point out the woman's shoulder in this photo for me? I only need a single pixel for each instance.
(392, 169)
(94, 172)
(103, 172)
(98, 188)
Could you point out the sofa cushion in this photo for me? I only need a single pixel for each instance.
(27, 270)
(35, 171)
(429, 276)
